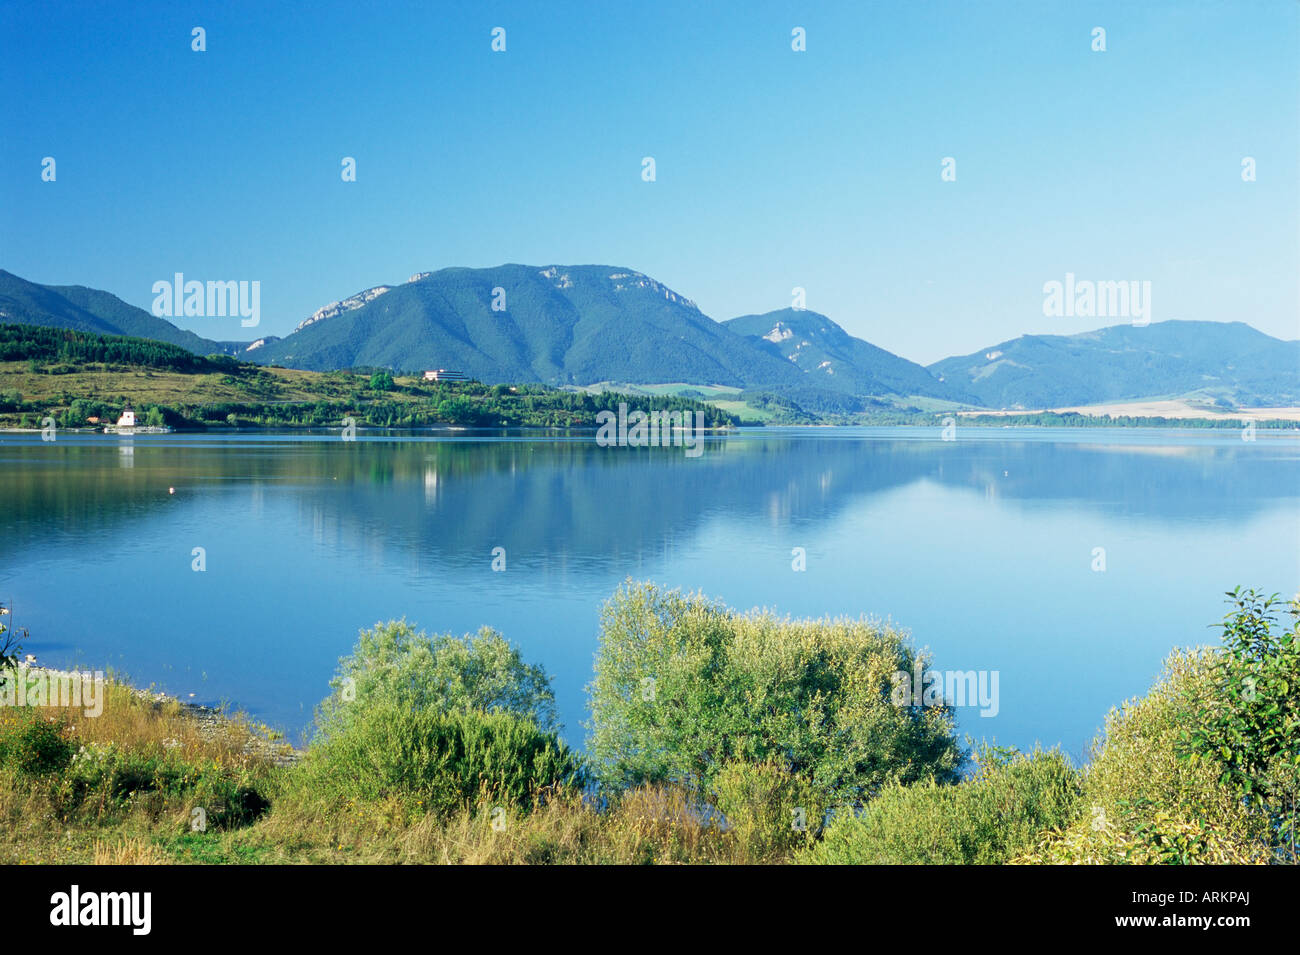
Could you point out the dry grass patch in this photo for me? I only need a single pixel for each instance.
(129, 851)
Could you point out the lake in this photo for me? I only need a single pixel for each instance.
(983, 547)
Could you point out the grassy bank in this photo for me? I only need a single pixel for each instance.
(715, 737)
(83, 380)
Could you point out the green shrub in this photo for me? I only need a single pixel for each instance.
(1250, 725)
(684, 686)
(1143, 802)
(440, 761)
(33, 744)
(1144, 833)
(769, 811)
(104, 780)
(984, 821)
(394, 666)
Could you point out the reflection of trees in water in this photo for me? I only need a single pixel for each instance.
(455, 499)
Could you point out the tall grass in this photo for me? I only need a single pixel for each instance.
(140, 766)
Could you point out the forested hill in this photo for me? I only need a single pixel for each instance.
(77, 376)
(84, 309)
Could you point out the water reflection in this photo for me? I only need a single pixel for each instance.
(981, 545)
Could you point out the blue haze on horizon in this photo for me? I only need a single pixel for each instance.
(775, 169)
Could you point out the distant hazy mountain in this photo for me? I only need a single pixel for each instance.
(1228, 360)
(90, 310)
(559, 325)
(831, 358)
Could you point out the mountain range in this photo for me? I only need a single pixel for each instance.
(561, 325)
(584, 325)
(1228, 361)
(91, 310)
(829, 357)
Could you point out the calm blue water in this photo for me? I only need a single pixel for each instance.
(982, 548)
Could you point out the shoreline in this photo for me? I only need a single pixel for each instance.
(1205, 422)
(210, 721)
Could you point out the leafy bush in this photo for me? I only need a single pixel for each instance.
(33, 744)
(684, 686)
(394, 666)
(1143, 801)
(440, 761)
(1250, 725)
(1146, 834)
(983, 821)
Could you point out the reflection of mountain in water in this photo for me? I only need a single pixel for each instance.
(453, 501)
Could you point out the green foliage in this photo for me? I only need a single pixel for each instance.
(394, 665)
(1251, 725)
(37, 344)
(32, 744)
(439, 761)
(381, 381)
(736, 737)
(1144, 834)
(79, 309)
(796, 406)
(78, 413)
(106, 780)
(1143, 801)
(769, 810)
(1156, 837)
(683, 686)
(225, 363)
(984, 821)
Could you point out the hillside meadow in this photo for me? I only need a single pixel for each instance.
(85, 380)
(714, 737)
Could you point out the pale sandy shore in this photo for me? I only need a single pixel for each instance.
(1172, 408)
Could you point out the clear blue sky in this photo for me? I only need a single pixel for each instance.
(775, 169)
